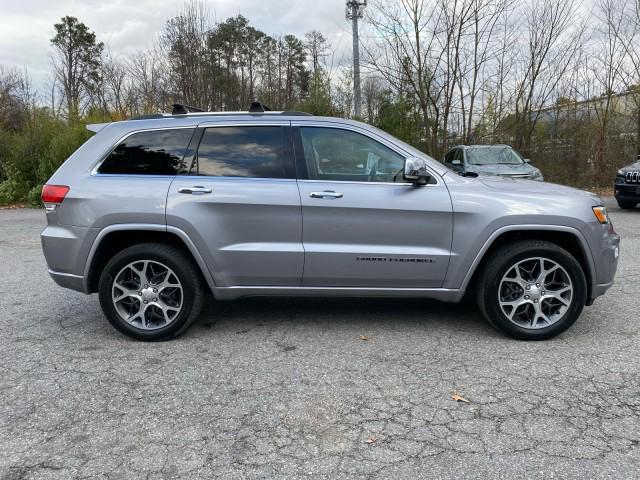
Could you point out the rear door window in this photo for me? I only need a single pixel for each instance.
(156, 152)
(245, 151)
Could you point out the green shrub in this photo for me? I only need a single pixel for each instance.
(30, 156)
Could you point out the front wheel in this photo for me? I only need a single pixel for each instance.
(532, 290)
(151, 292)
(626, 204)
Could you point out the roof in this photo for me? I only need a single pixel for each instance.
(205, 114)
(96, 127)
(502, 145)
(466, 147)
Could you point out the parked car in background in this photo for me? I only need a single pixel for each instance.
(627, 186)
(501, 160)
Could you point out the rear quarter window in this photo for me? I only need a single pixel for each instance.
(156, 152)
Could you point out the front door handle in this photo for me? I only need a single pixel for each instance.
(325, 194)
(196, 190)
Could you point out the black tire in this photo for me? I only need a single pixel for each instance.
(626, 204)
(501, 261)
(184, 269)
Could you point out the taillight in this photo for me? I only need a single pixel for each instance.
(53, 195)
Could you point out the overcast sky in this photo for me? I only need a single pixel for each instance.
(129, 25)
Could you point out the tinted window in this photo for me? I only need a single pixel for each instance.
(256, 152)
(343, 155)
(158, 152)
(448, 158)
(494, 155)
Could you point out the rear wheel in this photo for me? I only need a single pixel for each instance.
(151, 292)
(626, 204)
(532, 290)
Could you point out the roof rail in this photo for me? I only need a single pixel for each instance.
(146, 117)
(295, 113)
(256, 108)
(180, 109)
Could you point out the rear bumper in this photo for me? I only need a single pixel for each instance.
(66, 249)
(68, 280)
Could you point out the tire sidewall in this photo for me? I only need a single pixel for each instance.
(139, 253)
(573, 269)
(627, 205)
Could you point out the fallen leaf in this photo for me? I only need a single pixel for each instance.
(365, 338)
(457, 398)
(371, 440)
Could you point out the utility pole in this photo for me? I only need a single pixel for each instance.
(354, 11)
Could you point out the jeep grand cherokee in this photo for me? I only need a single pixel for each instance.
(151, 213)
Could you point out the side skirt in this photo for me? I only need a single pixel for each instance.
(442, 294)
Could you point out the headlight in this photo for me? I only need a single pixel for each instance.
(537, 175)
(601, 214)
(620, 173)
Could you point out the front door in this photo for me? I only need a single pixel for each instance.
(363, 226)
(241, 206)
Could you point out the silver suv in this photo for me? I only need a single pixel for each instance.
(474, 160)
(154, 213)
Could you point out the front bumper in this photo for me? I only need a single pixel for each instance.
(606, 259)
(628, 192)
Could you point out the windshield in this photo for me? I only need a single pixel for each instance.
(493, 156)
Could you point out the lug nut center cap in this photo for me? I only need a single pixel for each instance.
(534, 292)
(148, 295)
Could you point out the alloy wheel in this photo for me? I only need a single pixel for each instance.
(535, 293)
(147, 294)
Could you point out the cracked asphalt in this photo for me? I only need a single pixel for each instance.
(287, 388)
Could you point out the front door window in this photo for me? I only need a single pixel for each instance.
(342, 155)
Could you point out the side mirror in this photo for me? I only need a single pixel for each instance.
(526, 160)
(415, 171)
(456, 162)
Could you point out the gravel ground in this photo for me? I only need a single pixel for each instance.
(339, 388)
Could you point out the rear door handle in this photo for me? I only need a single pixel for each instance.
(196, 190)
(325, 194)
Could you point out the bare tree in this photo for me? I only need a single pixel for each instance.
(116, 91)
(554, 32)
(148, 75)
(606, 65)
(479, 48)
(406, 55)
(371, 96)
(184, 42)
(626, 28)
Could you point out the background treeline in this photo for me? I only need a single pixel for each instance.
(556, 79)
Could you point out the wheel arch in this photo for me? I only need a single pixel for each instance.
(115, 238)
(566, 237)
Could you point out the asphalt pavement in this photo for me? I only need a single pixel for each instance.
(312, 388)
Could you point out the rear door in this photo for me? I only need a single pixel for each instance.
(363, 226)
(240, 204)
